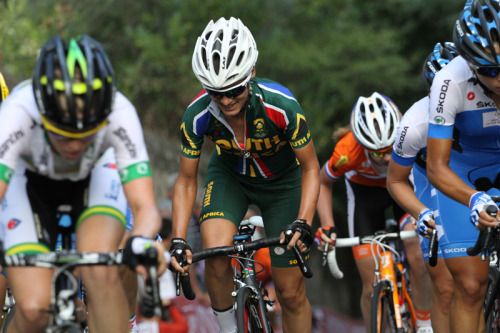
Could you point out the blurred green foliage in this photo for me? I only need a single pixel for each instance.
(328, 52)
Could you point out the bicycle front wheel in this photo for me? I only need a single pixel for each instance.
(492, 302)
(382, 310)
(251, 313)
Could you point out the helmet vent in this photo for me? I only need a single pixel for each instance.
(236, 54)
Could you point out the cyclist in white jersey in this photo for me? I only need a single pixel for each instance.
(408, 164)
(52, 135)
(463, 145)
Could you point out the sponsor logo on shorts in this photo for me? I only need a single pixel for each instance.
(455, 250)
(13, 223)
(114, 190)
(279, 250)
(211, 214)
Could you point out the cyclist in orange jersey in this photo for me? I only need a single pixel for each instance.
(362, 155)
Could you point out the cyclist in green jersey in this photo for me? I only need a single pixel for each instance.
(264, 155)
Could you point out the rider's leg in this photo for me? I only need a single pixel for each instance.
(129, 281)
(421, 285)
(3, 291)
(442, 293)
(31, 287)
(470, 277)
(291, 292)
(218, 271)
(107, 304)
(366, 269)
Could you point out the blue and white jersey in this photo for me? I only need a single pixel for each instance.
(460, 110)
(410, 149)
(411, 136)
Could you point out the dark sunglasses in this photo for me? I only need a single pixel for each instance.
(488, 71)
(233, 93)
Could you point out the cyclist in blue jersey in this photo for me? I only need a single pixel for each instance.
(409, 158)
(264, 155)
(463, 146)
(56, 130)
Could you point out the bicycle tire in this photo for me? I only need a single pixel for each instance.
(251, 312)
(382, 309)
(492, 302)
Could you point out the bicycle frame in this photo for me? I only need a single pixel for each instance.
(389, 272)
(393, 271)
(247, 287)
(244, 279)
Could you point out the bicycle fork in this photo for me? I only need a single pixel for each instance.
(387, 272)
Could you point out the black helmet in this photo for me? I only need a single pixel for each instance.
(436, 60)
(74, 83)
(4, 91)
(476, 30)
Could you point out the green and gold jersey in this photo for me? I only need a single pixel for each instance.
(275, 125)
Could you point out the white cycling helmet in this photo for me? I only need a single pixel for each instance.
(374, 121)
(224, 54)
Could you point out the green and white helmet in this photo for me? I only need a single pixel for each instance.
(224, 54)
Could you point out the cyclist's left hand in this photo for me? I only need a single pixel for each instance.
(302, 235)
(426, 222)
(477, 204)
(325, 235)
(136, 247)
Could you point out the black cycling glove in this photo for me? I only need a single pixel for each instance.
(301, 226)
(178, 250)
(135, 250)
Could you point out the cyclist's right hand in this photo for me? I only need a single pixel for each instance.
(135, 255)
(478, 216)
(181, 255)
(325, 235)
(426, 222)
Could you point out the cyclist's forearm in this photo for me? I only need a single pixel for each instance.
(147, 221)
(324, 207)
(182, 208)
(309, 194)
(405, 197)
(447, 182)
(440, 174)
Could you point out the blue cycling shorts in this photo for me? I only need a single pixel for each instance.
(458, 231)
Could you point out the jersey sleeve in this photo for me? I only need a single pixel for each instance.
(15, 134)
(193, 126)
(126, 136)
(445, 100)
(411, 136)
(285, 111)
(340, 161)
